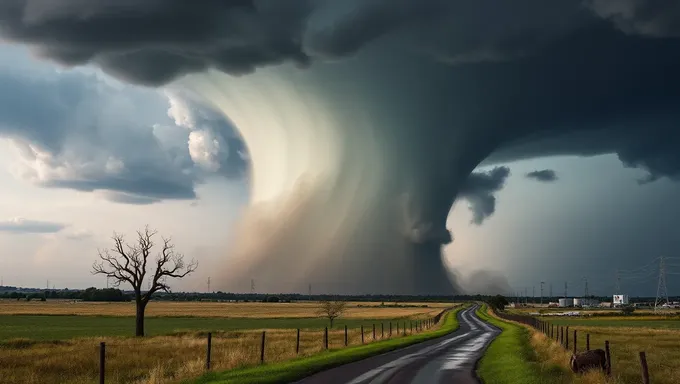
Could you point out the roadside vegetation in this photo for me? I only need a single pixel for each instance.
(512, 359)
(523, 355)
(299, 368)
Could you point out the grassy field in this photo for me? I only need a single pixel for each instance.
(355, 310)
(57, 347)
(50, 328)
(627, 322)
(661, 346)
(296, 369)
(627, 336)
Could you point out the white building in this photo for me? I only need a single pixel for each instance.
(620, 300)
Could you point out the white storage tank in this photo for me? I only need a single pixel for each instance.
(566, 302)
(578, 302)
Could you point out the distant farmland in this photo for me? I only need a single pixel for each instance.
(57, 342)
(644, 322)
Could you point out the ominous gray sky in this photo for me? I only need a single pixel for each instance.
(423, 91)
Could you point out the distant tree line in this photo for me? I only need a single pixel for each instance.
(90, 294)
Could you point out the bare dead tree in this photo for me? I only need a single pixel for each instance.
(131, 264)
(331, 309)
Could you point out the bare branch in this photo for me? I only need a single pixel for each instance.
(129, 263)
(332, 309)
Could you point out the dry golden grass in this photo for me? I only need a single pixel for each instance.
(155, 360)
(210, 309)
(646, 313)
(661, 346)
(167, 359)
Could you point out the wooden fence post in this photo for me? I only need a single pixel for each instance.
(362, 334)
(382, 330)
(102, 362)
(609, 360)
(575, 340)
(390, 335)
(643, 366)
(297, 342)
(345, 335)
(561, 334)
(397, 328)
(373, 331)
(325, 337)
(262, 348)
(587, 341)
(411, 324)
(207, 357)
(566, 339)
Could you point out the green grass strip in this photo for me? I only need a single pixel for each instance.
(296, 369)
(510, 358)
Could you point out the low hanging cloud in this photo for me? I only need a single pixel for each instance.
(479, 190)
(27, 226)
(76, 131)
(544, 175)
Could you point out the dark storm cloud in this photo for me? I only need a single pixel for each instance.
(447, 88)
(656, 18)
(544, 175)
(479, 190)
(162, 39)
(25, 226)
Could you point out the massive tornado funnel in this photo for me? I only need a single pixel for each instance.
(350, 187)
(365, 118)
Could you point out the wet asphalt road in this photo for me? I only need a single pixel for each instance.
(448, 359)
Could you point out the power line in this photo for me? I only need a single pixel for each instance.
(661, 290)
(585, 290)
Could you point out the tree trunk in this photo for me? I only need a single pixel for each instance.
(139, 318)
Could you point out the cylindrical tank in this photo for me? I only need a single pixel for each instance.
(566, 302)
(578, 302)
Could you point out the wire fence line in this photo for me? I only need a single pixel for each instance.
(562, 335)
(178, 357)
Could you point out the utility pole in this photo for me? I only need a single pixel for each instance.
(618, 282)
(542, 282)
(252, 285)
(533, 293)
(565, 290)
(661, 290)
(208, 284)
(526, 297)
(310, 291)
(47, 285)
(585, 289)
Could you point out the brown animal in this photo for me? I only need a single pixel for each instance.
(584, 361)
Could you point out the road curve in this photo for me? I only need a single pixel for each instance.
(448, 359)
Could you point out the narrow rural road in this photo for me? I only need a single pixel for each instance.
(448, 359)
